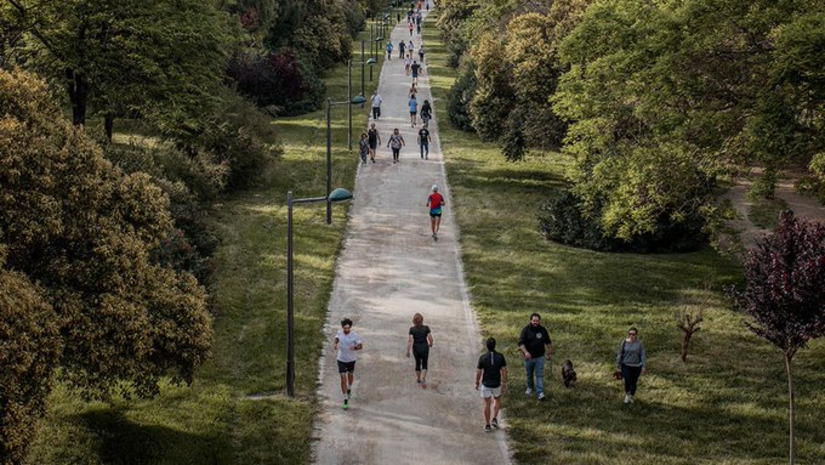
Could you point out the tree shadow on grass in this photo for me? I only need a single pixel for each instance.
(126, 442)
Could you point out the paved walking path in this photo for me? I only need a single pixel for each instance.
(391, 268)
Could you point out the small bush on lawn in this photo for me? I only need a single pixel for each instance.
(562, 220)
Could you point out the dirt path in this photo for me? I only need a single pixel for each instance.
(803, 207)
(389, 269)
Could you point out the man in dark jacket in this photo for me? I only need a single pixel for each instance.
(534, 344)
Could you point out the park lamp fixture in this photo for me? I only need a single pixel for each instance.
(357, 100)
(337, 196)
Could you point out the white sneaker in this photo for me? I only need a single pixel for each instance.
(528, 391)
(631, 399)
(627, 399)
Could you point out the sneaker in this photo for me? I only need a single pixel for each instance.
(418, 381)
(349, 394)
(528, 391)
(488, 429)
(423, 384)
(627, 399)
(346, 405)
(495, 423)
(631, 399)
(435, 237)
(540, 396)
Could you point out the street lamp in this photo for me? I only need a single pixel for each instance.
(352, 101)
(370, 61)
(338, 195)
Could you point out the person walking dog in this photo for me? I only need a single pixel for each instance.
(631, 359)
(534, 343)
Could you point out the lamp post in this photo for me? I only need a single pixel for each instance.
(338, 195)
(352, 101)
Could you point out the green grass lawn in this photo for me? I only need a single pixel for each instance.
(727, 405)
(236, 412)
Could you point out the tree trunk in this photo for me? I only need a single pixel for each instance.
(78, 95)
(792, 414)
(108, 125)
(686, 345)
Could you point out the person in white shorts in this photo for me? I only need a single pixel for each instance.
(491, 377)
(346, 343)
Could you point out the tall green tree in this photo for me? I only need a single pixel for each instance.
(663, 97)
(84, 233)
(161, 59)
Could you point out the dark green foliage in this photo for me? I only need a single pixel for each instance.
(458, 101)
(561, 220)
(513, 142)
(230, 148)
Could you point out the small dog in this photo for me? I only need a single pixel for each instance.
(568, 374)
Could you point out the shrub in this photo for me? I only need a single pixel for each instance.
(513, 142)
(458, 100)
(278, 82)
(561, 219)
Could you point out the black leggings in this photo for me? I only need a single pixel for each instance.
(421, 354)
(631, 378)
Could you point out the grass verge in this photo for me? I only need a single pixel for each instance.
(727, 405)
(236, 411)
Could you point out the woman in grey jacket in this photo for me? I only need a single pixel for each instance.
(631, 359)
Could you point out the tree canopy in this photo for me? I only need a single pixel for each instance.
(78, 235)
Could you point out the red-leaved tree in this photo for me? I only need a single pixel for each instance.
(784, 293)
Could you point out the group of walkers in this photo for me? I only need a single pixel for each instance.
(370, 140)
(491, 377)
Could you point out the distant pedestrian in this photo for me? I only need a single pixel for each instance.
(424, 140)
(411, 27)
(534, 343)
(396, 142)
(421, 53)
(435, 202)
(428, 6)
(376, 105)
(373, 139)
(410, 47)
(415, 68)
(407, 63)
(413, 104)
(346, 343)
(364, 147)
(401, 48)
(420, 341)
(631, 359)
(389, 50)
(426, 112)
(398, 16)
(491, 379)
(409, 15)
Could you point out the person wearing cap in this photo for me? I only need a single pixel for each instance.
(491, 380)
(435, 201)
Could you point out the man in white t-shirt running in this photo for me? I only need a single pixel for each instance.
(346, 343)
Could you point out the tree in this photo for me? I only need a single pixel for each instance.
(30, 349)
(493, 99)
(161, 59)
(784, 294)
(85, 233)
